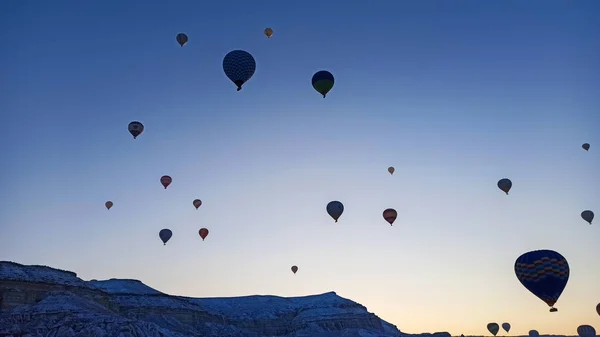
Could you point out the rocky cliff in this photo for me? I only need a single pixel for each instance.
(43, 301)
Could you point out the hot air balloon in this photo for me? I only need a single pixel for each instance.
(181, 39)
(506, 327)
(322, 81)
(268, 32)
(108, 204)
(335, 209)
(294, 269)
(197, 203)
(203, 233)
(598, 308)
(493, 328)
(588, 216)
(534, 333)
(239, 66)
(545, 273)
(166, 181)
(165, 235)
(586, 146)
(135, 128)
(505, 185)
(586, 331)
(390, 215)
(391, 169)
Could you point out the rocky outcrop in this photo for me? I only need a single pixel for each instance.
(43, 301)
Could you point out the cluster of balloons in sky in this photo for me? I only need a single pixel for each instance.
(582, 330)
(543, 272)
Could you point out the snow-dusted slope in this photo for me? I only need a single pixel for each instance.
(42, 301)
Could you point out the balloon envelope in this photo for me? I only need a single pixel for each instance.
(135, 128)
(181, 39)
(166, 181)
(598, 308)
(586, 331)
(544, 273)
(165, 235)
(203, 233)
(268, 32)
(390, 215)
(588, 216)
(335, 210)
(323, 81)
(391, 169)
(294, 269)
(108, 204)
(534, 333)
(239, 66)
(197, 203)
(586, 146)
(493, 328)
(505, 185)
(506, 327)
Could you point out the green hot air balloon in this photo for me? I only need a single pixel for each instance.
(323, 81)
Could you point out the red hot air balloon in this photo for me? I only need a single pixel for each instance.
(294, 269)
(166, 181)
(390, 215)
(203, 233)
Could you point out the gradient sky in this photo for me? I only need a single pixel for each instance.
(455, 94)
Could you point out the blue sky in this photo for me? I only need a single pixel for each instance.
(454, 94)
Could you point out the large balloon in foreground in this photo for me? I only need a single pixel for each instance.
(534, 333)
(391, 169)
(586, 146)
(181, 39)
(588, 216)
(197, 203)
(323, 81)
(108, 204)
(505, 185)
(586, 331)
(390, 215)
(135, 128)
(493, 328)
(294, 269)
(335, 209)
(166, 181)
(269, 32)
(545, 273)
(165, 235)
(506, 327)
(203, 233)
(239, 66)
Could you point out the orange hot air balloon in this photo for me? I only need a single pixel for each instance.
(391, 169)
(108, 204)
(294, 269)
(390, 215)
(197, 203)
(203, 233)
(166, 181)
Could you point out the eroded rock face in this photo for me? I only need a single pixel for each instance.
(46, 302)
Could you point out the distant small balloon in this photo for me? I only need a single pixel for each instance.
(335, 210)
(269, 32)
(197, 203)
(204, 233)
(586, 331)
(135, 128)
(166, 181)
(294, 269)
(323, 82)
(165, 235)
(598, 308)
(505, 185)
(493, 328)
(588, 216)
(182, 39)
(586, 146)
(390, 215)
(506, 327)
(391, 169)
(534, 333)
(108, 204)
